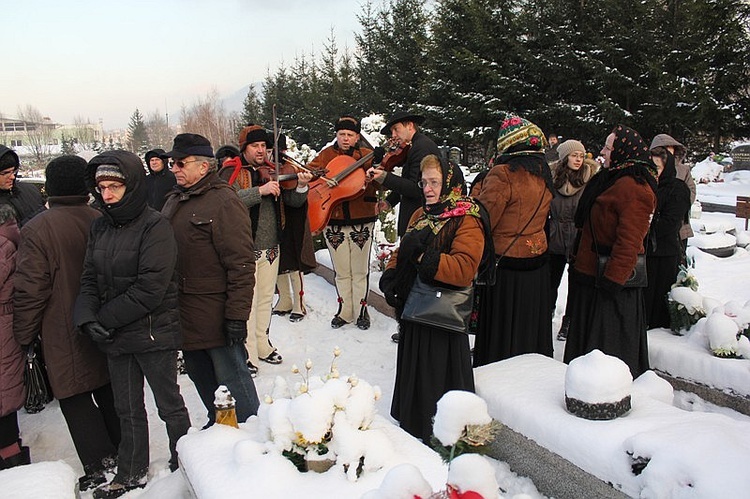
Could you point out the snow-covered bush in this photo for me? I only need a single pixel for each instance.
(707, 171)
(462, 425)
(684, 303)
(722, 334)
(325, 418)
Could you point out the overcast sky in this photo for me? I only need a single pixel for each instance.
(100, 59)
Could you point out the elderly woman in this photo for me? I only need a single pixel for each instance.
(614, 215)
(443, 244)
(514, 316)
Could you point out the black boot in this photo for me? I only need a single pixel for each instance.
(562, 335)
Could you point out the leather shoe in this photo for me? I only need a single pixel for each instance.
(281, 313)
(252, 368)
(363, 321)
(337, 322)
(396, 337)
(273, 358)
(295, 317)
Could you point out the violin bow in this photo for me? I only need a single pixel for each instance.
(276, 143)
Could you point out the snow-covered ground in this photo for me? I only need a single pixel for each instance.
(370, 355)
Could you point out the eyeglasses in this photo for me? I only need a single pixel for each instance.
(578, 155)
(8, 173)
(434, 184)
(181, 164)
(113, 188)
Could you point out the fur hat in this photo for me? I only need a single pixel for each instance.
(348, 122)
(7, 212)
(190, 144)
(65, 176)
(569, 146)
(224, 152)
(109, 172)
(517, 131)
(252, 133)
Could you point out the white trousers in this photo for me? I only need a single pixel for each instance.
(349, 247)
(266, 270)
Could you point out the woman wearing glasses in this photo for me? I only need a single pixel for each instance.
(443, 243)
(128, 305)
(570, 175)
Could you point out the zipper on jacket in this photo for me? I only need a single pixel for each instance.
(150, 331)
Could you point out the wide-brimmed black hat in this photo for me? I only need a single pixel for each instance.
(190, 144)
(400, 116)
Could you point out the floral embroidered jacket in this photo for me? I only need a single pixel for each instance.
(512, 198)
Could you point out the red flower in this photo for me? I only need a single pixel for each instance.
(506, 124)
(534, 141)
(515, 120)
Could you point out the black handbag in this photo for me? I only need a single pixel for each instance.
(35, 379)
(439, 306)
(639, 277)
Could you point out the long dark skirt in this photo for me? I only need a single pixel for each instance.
(430, 362)
(515, 316)
(612, 323)
(662, 272)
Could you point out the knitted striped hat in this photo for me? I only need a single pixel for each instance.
(109, 172)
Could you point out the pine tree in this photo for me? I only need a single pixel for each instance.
(252, 109)
(137, 134)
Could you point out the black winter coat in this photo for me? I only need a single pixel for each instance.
(25, 198)
(159, 184)
(129, 279)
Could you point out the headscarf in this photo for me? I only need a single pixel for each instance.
(520, 144)
(630, 157)
(453, 201)
(435, 228)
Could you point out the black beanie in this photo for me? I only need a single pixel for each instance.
(65, 176)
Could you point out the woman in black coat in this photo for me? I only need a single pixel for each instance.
(664, 249)
(128, 305)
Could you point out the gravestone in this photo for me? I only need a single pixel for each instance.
(741, 157)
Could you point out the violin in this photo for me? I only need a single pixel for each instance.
(287, 176)
(395, 154)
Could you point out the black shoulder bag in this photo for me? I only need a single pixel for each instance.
(639, 277)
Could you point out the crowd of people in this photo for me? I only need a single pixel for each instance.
(132, 262)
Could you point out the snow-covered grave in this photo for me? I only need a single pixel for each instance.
(654, 450)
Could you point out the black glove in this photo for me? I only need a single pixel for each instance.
(235, 331)
(97, 332)
(377, 155)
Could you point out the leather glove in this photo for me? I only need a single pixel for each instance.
(377, 155)
(97, 332)
(235, 331)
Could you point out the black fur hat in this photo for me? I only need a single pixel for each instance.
(65, 176)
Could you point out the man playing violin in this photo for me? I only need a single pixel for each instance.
(265, 201)
(348, 234)
(403, 128)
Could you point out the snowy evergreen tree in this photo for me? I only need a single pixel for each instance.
(137, 134)
(252, 109)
